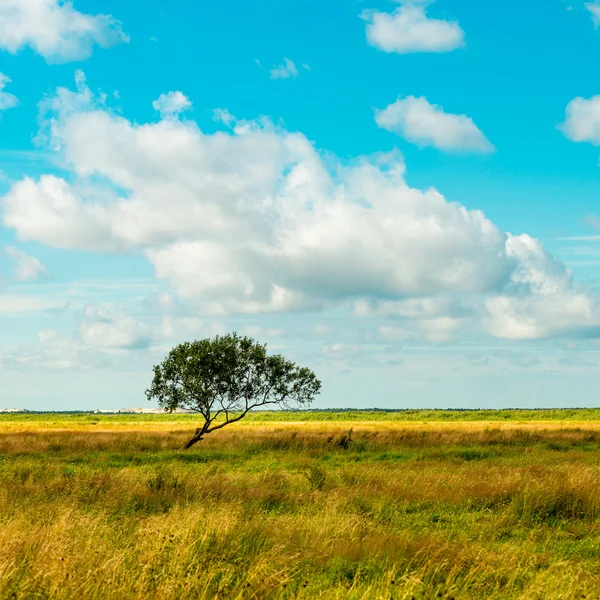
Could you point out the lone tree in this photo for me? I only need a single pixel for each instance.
(227, 377)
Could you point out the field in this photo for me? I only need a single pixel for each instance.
(285, 505)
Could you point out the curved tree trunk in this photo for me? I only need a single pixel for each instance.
(197, 437)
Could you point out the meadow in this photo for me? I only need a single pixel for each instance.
(411, 504)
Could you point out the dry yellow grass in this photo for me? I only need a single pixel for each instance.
(115, 509)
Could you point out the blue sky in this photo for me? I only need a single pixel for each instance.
(401, 195)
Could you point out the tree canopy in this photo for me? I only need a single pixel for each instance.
(226, 377)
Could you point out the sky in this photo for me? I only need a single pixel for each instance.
(403, 196)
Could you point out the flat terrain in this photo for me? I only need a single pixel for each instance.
(411, 504)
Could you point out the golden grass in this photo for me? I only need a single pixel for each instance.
(283, 510)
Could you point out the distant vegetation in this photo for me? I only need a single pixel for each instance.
(375, 414)
(388, 505)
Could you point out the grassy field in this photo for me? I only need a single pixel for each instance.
(436, 504)
(518, 415)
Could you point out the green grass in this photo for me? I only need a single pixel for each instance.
(109, 506)
(408, 415)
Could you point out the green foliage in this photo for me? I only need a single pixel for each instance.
(228, 376)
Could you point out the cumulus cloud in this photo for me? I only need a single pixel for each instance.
(409, 29)
(27, 268)
(582, 120)
(55, 351)
(101, 328)
(536, 317)
(541, 299)
(55, 30)
(6, 100)
(104, 340)
(255, 219)
(284, 71)
(425, 124)
(171, 104)
(107, 336)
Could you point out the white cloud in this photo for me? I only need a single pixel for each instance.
(176, 329)
(53, 298)
(537, 272)
(409, 29)
(12, 304)
(27, 267)
(224, 116)
(541, 299)
(55, 210)
(55, 352)
(55, 30)
(537, 317)
(105, 339)
(594, 9)
(107, 336)
(285, 71)
(223, 280)
(6, 100)
(582, 122)
(255, 219)
(101, 328)
(426, 124)
(441, 329)
(171, 104)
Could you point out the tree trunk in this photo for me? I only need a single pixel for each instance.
(193, 441)
(197, 437)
